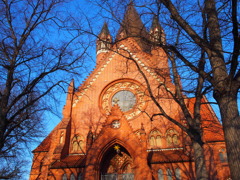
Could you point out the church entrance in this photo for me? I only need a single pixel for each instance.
(117, 164)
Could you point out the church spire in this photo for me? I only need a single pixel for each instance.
(104, 40)
(132, 26)
(157, 34)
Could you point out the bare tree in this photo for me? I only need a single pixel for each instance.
(222, 54)
(34, 60)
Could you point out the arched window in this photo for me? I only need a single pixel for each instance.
(155, 138)
(178, 174)
(169, 174)
(222, 155)
(77, 143)
(72, 177)
(172, 137)
(160, 174)
(61, 137)
(80, 176)
(64, 177)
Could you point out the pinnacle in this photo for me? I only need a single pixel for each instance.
(155, 23)
(71, 86)
(105, 29)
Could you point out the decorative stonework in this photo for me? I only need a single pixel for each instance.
(100, 70)
(107, 95)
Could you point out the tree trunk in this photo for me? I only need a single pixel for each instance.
(231, 126)
(200, 165)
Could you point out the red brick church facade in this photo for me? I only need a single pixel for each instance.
(106, 132)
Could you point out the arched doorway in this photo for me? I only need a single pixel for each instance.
(116, 164)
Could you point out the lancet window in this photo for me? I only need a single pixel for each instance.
(223, 155)
(64, 177)
(160, 174)
(178, 174)
(72, 177)
(80, 176)
(61, 137)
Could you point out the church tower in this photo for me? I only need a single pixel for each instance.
(104, 42)
(106, 131)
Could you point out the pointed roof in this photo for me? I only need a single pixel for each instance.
(157, 33)
(105, 29)
(132, 25)
(155, 23)
(45, 144)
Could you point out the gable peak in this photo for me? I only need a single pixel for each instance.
(116, 110)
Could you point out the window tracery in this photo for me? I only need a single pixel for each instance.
(172, 137)
(155, 138)
(77, 143)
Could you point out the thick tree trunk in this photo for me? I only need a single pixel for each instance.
(231, 124)
(2, 131)
(200, 165)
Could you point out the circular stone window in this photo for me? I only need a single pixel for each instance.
(125, 99)
(127, 94)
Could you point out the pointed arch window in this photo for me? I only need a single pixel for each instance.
(61, 137)
(64, 177)
(80, 176)
(172, 137)
(169, 174)
(178, 174)
(223, 155)
(72, 177)
(155, 138)
(77, 143)
(160, 174)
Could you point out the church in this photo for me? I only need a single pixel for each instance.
(107, 131)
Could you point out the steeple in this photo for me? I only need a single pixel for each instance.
(104, 40)
(132, 26)
(157, 34)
